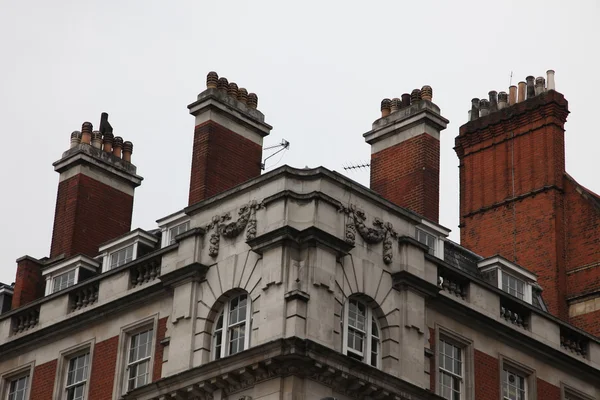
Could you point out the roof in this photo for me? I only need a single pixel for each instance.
(465, 260)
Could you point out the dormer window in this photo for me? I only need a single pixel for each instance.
(69, 272)
(511, 278)
(63, 281)
(178, 229)
(427, 239)
(173, 225)
(121, 257)
(513, 285)
(126, 248)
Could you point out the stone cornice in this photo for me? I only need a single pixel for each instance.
(309, 174)
(308, 236)
(280, 358)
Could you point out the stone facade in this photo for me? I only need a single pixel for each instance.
(300, 244)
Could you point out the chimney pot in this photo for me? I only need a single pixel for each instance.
(427, 93)
(530, 86)
(107, 141)
(502, 100)
(96, 139)
(474, 108)
(127, 150)
(243, 95)
(405, 100)
(521, 92)
(75, 138)
(117, 146)
(252, 100)
(233, 90)
(212, 80)
(223, 84)
(493, 96)
(484, 107)
(386, 107)
(550, 80)
(512, 95)
(415, 96)
(86, 133)
(540, 84)
(396, 104)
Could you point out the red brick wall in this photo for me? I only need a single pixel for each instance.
(589, 322)
(103, 369)
(408, 174)
(88, 213)
(487, 377)
(547, 391)
(29, 284)
(530, 136)
(432, 371)
(158, 351)
(221, 159)
(42, 384)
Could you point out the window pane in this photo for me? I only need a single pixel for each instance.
(18, 388)
(121, 257)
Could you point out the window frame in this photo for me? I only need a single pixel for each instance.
(517, 368)
(115, 252)
(226, 327)
(567, 390)
(15, 374)
(75, 272)
(171, 238)
(468, 369)
(368, 333)
(127, 332)
(62, 370)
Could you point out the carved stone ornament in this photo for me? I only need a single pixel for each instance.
(381, 231)
(220, 227)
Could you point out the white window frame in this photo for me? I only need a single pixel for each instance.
(517, 281)
(146, 359)
(430, 230)
(570, 393)
(465, 344)
(116, 253)
(62, 370)
(15, 374)
(226, 328)
(127, 332)
(178, 227)
(370, 317)
(75, 272)
(133, 238)
(171, 221)
(519, 369)
(76, 263)
(502, 267)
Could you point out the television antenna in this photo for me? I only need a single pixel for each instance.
(354, 166)
(284, 145)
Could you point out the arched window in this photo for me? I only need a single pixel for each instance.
(231, 333)
(361, 332)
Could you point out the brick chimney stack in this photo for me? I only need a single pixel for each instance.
(228, 138)
(512, 185)
(405, 152)
(95, 191)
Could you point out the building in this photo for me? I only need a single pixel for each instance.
(294, 284)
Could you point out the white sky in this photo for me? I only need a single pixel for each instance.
(320, 69)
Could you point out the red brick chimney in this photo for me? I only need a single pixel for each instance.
(512, 184)
(405, 152)
(228, 138)
(95, 192)
(29, 284)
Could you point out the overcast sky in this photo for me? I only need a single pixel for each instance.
(320, 69)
